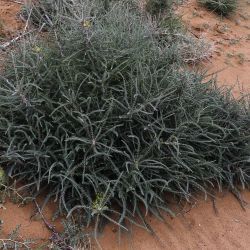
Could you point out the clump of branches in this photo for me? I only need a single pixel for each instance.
(13, 241)
(156, 7)
(47, 14)
(221, 7)
(73, 237)
(41, 12)
(108, 118)
(194, 50)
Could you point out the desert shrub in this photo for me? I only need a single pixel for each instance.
(41, 12)
(192, 50)
(72, 237)
(107, 118)
(155, 7)
(50, 13)
(171, 22)
(222, 7)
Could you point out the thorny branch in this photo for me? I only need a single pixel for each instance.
(55, 237)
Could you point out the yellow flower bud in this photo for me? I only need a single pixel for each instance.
(3, 178)
(37, 49)
(86, 24)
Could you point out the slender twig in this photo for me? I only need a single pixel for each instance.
(15, 242)
(15, 1)
(7, 44)
(24, 33)
(14, 190)
(55, 238)
(48, 225)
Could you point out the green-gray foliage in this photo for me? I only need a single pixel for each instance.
(155, 7)
(222, 7)
(107, 114)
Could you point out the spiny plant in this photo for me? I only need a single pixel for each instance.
(155, 7)
(72, 237)
(172, 22)
(107, 119)
(47, 13)
(41, 12)
(222, 7)
(13, 241)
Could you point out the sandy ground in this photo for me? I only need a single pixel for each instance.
(197, 228)
(231, 39)
(200, 227)
(10, 24)
(31, 225)
(9, 21)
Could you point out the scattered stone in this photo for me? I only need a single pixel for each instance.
(201, 27)
(2, 207)
(237, 22)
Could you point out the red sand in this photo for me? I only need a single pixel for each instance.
(9, 22)
(32, 227)
(200, 228)
(231, 38)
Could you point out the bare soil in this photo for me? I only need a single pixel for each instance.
(231, 39)
(197, 227)
(10, 24)
(200, 227)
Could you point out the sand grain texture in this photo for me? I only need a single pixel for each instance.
(231, 39)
